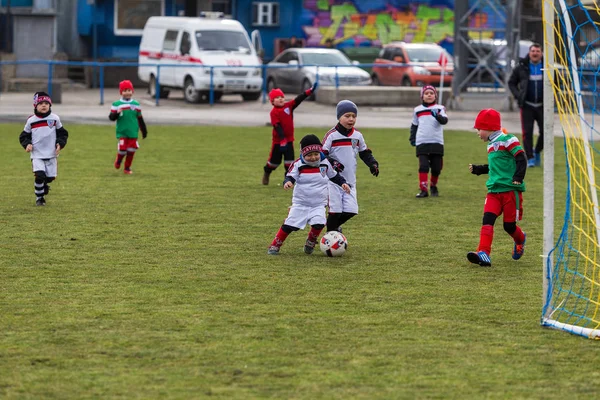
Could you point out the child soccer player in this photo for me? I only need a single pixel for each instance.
(43, 137)
(282, 119)
(506, 167)
(341, 145)
(427, 134)
(128, 114)
(310, 174)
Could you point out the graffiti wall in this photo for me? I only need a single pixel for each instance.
(375, 22)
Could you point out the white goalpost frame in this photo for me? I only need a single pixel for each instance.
(549, 15)
(548, 204)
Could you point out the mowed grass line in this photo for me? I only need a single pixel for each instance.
(158, 285)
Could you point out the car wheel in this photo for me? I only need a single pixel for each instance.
(190, 94)
(375, 81)
(406, 81)
(163, 93)
(271, 85)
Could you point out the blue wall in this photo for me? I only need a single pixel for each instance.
(108, 45)
(289, 23)
(17, 3)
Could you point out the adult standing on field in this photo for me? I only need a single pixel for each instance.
(527, 85)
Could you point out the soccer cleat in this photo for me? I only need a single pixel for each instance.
(309, 246)
(434, 191)
(480, 257)
(127, 171)
(519, 249)
(265, 179)
(531, 162)
(538, 159)
(40, 202)
(273, 251)
(422, 194)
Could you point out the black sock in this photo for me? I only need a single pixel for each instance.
(333, 221)
(345, 216)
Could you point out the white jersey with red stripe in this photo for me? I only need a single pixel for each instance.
(311, 182)
(345, 149)
(429, 129)
(43, 135)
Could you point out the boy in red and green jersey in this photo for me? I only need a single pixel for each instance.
(506, 167)
(128, 114)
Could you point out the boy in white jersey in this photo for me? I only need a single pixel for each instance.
(427, 134)
(341, 145)
(43, 137)
(309, 176)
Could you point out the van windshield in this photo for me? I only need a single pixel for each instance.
(222, 40)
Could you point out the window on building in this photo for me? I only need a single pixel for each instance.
(265, 14)
(131, 15)
(223, 6)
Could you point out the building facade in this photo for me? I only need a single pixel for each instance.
(111, 29)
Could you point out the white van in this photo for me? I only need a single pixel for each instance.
(194, 45)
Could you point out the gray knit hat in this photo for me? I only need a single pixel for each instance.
(345, 106)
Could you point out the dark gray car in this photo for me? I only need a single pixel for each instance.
(296, 69)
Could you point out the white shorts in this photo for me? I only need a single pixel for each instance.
(340, 201)
(48, 165)
(299, 216)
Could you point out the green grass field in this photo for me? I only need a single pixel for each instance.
(157, 285)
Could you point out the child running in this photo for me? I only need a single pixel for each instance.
(282, 119)
(43, 137)
(341, 145)
(506, 167)
(309, 176)
(427, 134)
(128, 114)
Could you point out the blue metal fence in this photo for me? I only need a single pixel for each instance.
(100, 66)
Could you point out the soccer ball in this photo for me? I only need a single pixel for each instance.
(333, 244)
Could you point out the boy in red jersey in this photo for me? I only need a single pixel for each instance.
(506, 167)
(282, 119)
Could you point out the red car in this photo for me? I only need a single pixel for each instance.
(412, 64)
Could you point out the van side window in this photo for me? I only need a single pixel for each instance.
(186, 44)
(170, 42)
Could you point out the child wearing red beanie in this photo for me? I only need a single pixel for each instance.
(128, 114)
(282, 119)
(506, 167)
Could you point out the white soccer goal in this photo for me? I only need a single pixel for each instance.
(571, 295)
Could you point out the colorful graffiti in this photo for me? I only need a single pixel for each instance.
(373, 23)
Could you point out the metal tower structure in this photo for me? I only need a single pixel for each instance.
(483, 56)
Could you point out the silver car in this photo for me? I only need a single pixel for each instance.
(296, 69)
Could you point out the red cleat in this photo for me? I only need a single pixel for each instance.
(128, 171)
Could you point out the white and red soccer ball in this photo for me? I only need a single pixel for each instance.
(333, 244)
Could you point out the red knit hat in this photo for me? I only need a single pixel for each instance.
(275, 93)
(125, 85)
(428, 87)
(488, 120)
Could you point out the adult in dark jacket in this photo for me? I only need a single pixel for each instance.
(527, 86)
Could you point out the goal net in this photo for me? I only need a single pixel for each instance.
(572, 266)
